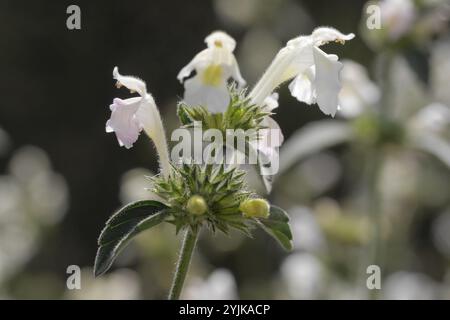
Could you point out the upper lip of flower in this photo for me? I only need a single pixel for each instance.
(299, 55)
(130, 116)
(132, 83)
(214, 66)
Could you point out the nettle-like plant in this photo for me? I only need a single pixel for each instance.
(193, 195)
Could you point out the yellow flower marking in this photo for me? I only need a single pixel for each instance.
(212, 75)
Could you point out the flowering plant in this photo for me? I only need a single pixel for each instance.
(192, 195)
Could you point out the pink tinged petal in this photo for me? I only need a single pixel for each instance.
(327, 83)
(131, 83)
(123, 121)
(397, 17)
(214, 98)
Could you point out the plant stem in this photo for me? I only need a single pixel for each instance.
(190, 239)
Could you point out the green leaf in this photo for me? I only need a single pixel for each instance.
(277, 226)
(122, 226)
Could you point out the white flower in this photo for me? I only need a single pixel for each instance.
(358, 92)
(124, 122)
(397, 17)
(433, 118)
(303, 275)
(269, 139)
(214, 66)
(130, 116)
(315, 73)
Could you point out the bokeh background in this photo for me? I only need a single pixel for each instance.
(369, 187)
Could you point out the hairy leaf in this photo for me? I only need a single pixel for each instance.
(124, 225)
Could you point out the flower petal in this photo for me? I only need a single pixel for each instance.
(236, 73)
(132, 83)
(273, 125)
(326, 82)
(214, 66)
(214, 98)
(291, 61)
(220, 39)
(358, 92)
(271, 102)
(123, 121)
(201, 59)
(302, 86)
(150, 120)
(323, 35)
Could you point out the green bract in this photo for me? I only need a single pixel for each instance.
(222, 188)
(193, 195)
(240, 114)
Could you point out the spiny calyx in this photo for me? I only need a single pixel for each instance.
(205, 194)
(240, 114)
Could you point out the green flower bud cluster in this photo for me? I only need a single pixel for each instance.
(205, 194)
(240, 114)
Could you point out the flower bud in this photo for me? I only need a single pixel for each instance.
(196, 205)
(255, 208)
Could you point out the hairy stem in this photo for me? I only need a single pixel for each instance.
(190, 239)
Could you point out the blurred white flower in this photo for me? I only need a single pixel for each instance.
(18, 243)
(321, 171)
(407, 92)
(315, 73)
(237, 12)
(45, 191)
(404, 285)
(130, 116)
(358, 91)
(32, 196)
(302, 273)
(398, 179)
(397, 17)
(306, 232)
(220, 285)
(214, 66)
(428, 129)
(339, 289)
(135, 184)
(122, 284)
(435, 117)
